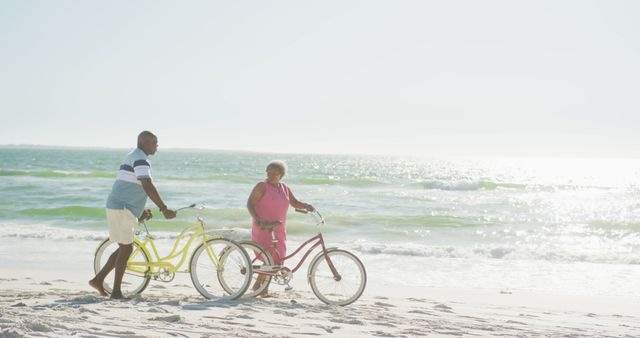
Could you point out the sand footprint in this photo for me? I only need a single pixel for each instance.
(37, 327)
(83, 309)
(257, 332)
(350, 321)
(328, 329)
(421, 312)
(386, 305)
(286, 313)
(195, 307)
(443, 308)
(157, 310)
(170, 303)
(169, 319)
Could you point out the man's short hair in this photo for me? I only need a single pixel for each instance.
(145, 135)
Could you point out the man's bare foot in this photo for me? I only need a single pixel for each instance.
(98, 286)
(118, 296)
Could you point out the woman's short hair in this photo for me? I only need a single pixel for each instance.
(280, 165)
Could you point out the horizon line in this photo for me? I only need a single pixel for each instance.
(196, 149)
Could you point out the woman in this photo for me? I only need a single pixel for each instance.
(268, 204)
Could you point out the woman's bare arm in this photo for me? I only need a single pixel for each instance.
(297, 204)
(255, 196)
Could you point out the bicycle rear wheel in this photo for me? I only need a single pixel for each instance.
(220, 260)
(337, 290)
(259, 258)
(135, 278)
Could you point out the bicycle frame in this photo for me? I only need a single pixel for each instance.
(272, 271)
(331, 286)
(156, 262)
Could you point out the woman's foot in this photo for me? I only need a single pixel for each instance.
(266, 294)
(98, 286)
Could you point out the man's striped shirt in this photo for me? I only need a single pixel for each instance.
(127, 190)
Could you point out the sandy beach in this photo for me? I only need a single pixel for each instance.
(55, 304)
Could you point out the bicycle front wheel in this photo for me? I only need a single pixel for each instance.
(341, 289)
(220, 269)
(135, 278)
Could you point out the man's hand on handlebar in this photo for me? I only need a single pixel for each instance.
(146, 215)
(168, 214)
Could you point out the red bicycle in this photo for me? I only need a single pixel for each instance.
(336, 276)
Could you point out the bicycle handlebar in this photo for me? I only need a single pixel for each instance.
(315, 213)
(192, 206)
(198, 206)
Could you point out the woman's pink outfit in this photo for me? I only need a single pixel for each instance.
(272, 207)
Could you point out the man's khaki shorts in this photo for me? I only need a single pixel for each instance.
(122, 224)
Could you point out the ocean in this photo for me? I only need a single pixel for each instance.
(553, 225)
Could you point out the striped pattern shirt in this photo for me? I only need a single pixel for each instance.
(127, 191)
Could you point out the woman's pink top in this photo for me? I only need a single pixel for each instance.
(272, 207)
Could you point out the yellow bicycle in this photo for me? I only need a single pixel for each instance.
(214, 260)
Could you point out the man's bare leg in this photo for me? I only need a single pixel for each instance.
(98, 281)
(124, 251)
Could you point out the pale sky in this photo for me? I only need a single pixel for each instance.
(425, 78)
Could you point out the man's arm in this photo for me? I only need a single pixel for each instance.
(153, 194)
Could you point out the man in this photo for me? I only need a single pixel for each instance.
(125, 208)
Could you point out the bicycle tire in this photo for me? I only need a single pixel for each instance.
(255, 251)
(233, 265)
(135, 279)
(337, 292)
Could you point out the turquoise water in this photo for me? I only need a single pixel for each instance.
(464, 212)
